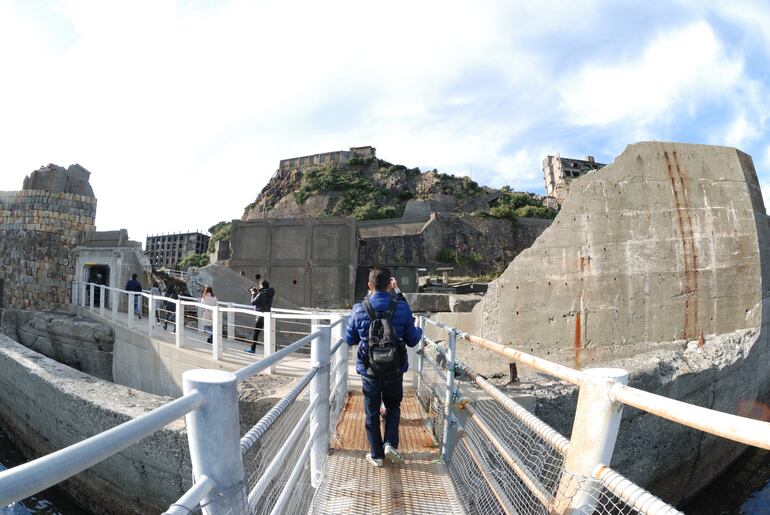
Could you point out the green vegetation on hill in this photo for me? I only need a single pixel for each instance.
(360, 196)
(518, 204)
(219, 231)
(198, 260)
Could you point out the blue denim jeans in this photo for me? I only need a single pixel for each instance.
(389, 391)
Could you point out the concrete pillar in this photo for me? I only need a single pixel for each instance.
(594, 432)
(213, 432)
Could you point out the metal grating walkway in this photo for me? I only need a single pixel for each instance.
(420, 486)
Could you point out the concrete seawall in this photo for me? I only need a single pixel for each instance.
(46, 406)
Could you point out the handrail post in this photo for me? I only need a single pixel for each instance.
(450, 392)
(341, 356)
(231, 322)
(130, 310)
(179, 323)
(114, 304)
(216, 332)
(319, 401)
(594, 432)
(150, 315)
(102, 300)
(418, 367)
(93, 296)
(213, 434)
(268, 334)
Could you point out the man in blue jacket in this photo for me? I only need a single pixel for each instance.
(384, 299)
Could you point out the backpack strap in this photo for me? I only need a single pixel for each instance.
(372, 314)
(369, 309)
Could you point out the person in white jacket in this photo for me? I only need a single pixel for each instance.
(208, 298)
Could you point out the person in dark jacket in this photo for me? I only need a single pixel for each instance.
(379, 389)
(134, 285)
(262, 300)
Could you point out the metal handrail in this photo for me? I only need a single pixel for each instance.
(255, 368)
(192, 498)
(29, 478)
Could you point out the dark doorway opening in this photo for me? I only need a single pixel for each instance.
(97, 274)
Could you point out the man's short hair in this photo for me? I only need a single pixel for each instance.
(265, 283)
(133, 276)
(380, 277)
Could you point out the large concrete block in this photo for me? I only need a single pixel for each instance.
(662, 244)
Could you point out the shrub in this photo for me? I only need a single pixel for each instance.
(194, 260)
(220, 231)
(405, 194)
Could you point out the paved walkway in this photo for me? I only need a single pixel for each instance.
(233, 358)
(352, 485)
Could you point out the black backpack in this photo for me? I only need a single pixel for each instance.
(385, 348)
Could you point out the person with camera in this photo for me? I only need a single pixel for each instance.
(262, 300)
(382, 325)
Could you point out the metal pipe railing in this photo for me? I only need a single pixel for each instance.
(192, 498)
(733, 427)
(259, 366)
(24, 480)
(253, 435)
(631, 493)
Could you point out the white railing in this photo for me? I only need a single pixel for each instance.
(189, 320)
(493, 438)
(218, 453)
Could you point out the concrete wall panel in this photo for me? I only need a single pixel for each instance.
(290, 242)
(253, 242)
(330, 242)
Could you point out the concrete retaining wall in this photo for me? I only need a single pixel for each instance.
(45, 406)
(81, 344)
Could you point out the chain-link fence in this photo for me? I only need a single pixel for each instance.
(504, 460)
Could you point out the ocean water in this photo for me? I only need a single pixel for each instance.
(743, 489)
(49, 502)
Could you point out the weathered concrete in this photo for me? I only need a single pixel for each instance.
(74, 341)
(662, 244)
(310, 262)
(45, 406)
(667, 245)
(481, 244)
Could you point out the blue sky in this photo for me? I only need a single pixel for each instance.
(182, 110)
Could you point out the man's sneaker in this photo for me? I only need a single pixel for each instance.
(376, 462)
(393, 455)
(250, 351)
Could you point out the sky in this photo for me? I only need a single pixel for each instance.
(181, 110)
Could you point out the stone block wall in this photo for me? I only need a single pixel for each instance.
(38, 231)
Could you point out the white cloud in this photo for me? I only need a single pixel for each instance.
(182, 113)
(672, 74)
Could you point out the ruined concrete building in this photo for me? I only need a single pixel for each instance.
(168, 250)
(559, 171)
(339, 156)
